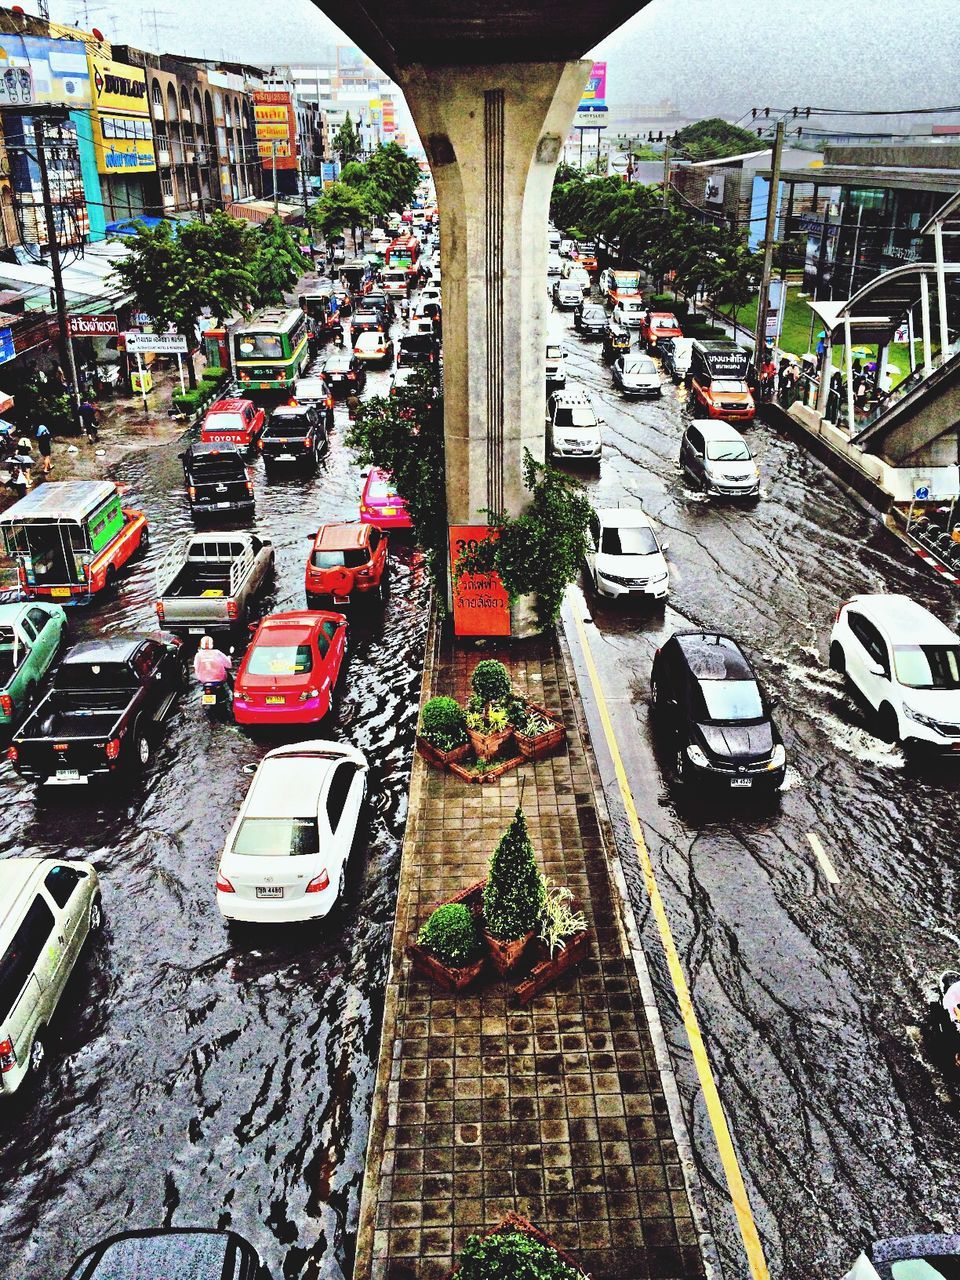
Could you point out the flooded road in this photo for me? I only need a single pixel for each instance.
(811, 995)
(195, 1080)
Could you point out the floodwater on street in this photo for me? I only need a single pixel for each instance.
(812, 996)
(195, 1078)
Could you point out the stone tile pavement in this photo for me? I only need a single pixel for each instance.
(556, 1111)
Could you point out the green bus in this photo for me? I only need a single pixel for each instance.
(270, 350)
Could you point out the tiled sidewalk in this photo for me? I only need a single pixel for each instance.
(555, 1111)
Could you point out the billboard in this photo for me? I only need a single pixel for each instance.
(595, 94)
(713, 191)
(120, 121)
(276, 126)
(389, 116)
(59, 75)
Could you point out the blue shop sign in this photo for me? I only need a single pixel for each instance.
(6, 345)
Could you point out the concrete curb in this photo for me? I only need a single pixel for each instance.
(580, 687)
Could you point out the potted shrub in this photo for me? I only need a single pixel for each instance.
(448, 948)
(563, 938)
(443, 732)
(488, 725)
(513, 897)
(515, 1250)
(535, 730)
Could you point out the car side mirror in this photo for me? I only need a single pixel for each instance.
(773, 702)
(875, 669)
(252, 626)
(248, 769)
(664, 546)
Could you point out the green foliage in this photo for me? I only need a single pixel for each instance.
(39, 398)
(559, 921)
(214, 375)
(487, 717)
(395, 174)
(490, 681)
(189, 402)
(713, 139)
(451, 935)
(340, 208)
(442, 723)
(173, 276)
(526, 719)
(514, 896)
(512, 1255)
(277, 264)
(540, 551)
(403, 434)
(346, 141)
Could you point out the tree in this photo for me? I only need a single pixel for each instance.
(395, 174)
(514, 895)
(340, 207)
(277, 264)
(713, 139)
(346, 141)
(174, 275)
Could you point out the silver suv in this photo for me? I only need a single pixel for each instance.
(573, 428)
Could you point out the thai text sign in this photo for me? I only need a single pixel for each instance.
(595, 94)
(481, 606)
(92, 326)
(276, 127)
(161, 344)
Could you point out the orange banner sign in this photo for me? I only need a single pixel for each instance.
(481, 606)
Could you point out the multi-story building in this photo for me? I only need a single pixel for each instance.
(122, 135)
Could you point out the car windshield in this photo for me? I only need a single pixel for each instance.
(277, 838)
(927, 666)
(728, 384)
(97, 675)
(630, 305)
(353, 558)
(661, 320)
(210, 468)
(727, 451)
(339, 364)
(594, 313)
(628, 542)
(554, 353)
(224, 422)
(732, 699)
(575, 418)
(280, 660)
(639, 366)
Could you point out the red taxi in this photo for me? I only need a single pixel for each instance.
(288, 674)
(347, 560)
(238, 422)
(380, 504)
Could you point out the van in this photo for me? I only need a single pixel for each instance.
(47, 909)
(396, 282)
(718, 382)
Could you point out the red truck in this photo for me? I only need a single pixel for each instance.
(656, 325)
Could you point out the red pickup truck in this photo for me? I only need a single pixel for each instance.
(656, 325)
(238, 422)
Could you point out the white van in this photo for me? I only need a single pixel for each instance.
(47, 909)
(396, 282)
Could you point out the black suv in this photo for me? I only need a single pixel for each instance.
(344, 373)
(706, 699)
(590, 319)
(418, 348)
(367, 319)
(294, 436)
(217, 480)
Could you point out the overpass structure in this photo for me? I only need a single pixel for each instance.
(492, 86)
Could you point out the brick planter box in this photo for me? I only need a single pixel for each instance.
(533, 747)
(550, 968)
(447, 979)
(513, 1222)
(488, 775)
(487, 745)
(441, 759)
(506, 955)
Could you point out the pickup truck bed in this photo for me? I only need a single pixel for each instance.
(86, 715)
(209, 578)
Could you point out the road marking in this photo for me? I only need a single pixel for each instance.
(711, 1096)
(821, 855)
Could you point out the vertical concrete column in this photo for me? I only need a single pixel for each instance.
(826, 373)
(493, 136)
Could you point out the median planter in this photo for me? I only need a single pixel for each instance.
(515, 1247)
(549, 968)
(535, 731)
(442, 759)
(514, 897)
(446, 978)
(488, 743)
(484, 770)
(506, 953)
(448, 949)
(443, 732)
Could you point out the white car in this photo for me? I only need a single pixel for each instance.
(567, 295)
(573, 428)
(429, 293)
(566, 248)
(905, 664)
(636, 375)
(629, 311)
(554, 264)
(556, 366)
(286, 855)
(578, 276)
(626, 556)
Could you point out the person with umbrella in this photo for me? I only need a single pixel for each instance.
(45, 447)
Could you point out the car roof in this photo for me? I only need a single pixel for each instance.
(339, 358)
(342, 537)
(15, 876)
(201, 1253)
(623, 518)
(232, 405)
(290, 411)
(904, 620)
(369, 337)
(717, 430)
(713, 656)
(307, 619)
(108, 648)
(288, 786)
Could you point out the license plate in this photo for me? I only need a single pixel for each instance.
(269, 890)
(273, 701)
(285, 457)
(341, 599)
(60, 593)
(68, 775)
(389, 511)
(208, 699)
(741, 782)
(196, 631)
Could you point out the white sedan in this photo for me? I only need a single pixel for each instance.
(624, 555)
(286, 855)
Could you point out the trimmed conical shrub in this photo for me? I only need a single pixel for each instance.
(514, 896)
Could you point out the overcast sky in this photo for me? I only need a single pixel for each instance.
(706, 55)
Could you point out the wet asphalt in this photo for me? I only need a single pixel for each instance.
(813, 997)
(196, 1078)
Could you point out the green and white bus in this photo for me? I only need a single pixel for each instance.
(270, 350)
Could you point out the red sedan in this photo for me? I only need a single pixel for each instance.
(289, 672)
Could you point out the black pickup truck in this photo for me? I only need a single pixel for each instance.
(218, 482)
(101, 715)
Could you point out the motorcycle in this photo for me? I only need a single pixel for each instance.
(216, 695)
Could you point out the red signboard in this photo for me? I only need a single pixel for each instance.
(92, 326)
(276, 127)
(481, 606)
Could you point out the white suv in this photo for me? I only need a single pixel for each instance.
(904, 663)
(573, 427)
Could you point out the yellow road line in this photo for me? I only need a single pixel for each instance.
(823, 858)
(711, 1096)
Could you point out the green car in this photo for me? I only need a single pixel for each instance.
(31, 637)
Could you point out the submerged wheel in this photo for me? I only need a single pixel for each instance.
(96, 915)
(887, 723)
(838, 661)
(141, 749)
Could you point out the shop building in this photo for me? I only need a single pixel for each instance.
(122, 134)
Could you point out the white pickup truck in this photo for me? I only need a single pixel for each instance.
(209, 583)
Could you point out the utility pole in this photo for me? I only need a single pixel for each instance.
(203, 207)
(276, 195)
(666, 175)
(66, 345)
(772, 198)
(303, 178)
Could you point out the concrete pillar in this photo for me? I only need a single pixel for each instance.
(826, 373)
(925, 323)
(941, 291)
(848, 364)
(493, 136)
